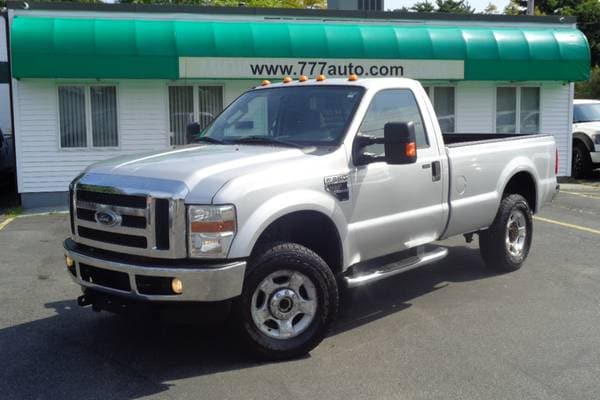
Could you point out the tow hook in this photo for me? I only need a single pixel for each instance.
(468, 237)
(84, 300)
(87, 300)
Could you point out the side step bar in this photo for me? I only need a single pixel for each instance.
(394, 268)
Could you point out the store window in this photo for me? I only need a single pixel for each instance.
(392, 105)
(188, 104)
(517, 109)
(442, 98)
(88, 116)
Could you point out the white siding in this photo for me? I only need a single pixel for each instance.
(3, 52)
(556, 103)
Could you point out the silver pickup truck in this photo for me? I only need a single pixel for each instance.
(296, 191)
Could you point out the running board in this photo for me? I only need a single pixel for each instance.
(398, 267)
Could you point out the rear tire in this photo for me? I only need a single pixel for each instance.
(289, 301)
(505, 245)
(581, 165)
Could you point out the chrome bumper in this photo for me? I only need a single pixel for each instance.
(202, 283)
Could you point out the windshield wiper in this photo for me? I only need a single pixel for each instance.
(266, 140)
(208, 139)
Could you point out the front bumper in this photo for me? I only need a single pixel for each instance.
(204, 283)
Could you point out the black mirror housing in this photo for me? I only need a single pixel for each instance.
(400, 143)
(191, 131)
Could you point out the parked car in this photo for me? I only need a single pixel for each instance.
(586, 137)
(350, 182)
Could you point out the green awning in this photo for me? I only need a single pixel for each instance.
(124, 48)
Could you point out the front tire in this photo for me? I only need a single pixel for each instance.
(289, 301)
(505, 244)
(581, 166)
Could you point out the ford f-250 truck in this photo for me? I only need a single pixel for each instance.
(296, 190)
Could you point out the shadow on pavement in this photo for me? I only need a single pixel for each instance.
(81, 354)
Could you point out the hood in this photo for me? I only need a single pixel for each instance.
(592, 126)
(204, 166)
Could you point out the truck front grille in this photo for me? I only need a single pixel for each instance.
(114, 238)
(130, 215)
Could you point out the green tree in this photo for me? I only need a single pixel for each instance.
(591, 88)
(454, 6)
(491, 8)
(423, 6)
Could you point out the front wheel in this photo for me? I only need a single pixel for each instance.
(581, 166)
(505, 245)
(289, 300)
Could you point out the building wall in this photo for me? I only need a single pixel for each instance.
(5, 118)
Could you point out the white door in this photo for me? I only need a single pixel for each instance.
(395, 207)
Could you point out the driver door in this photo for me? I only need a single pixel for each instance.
(395, 207)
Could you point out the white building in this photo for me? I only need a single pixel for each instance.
(92, 81)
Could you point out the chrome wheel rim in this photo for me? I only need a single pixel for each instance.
(284, 304)
(516, 233)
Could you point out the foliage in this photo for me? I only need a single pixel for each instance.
(423, 6)
(591, 88)
(443, 6)
(454, 6)
(491, 8)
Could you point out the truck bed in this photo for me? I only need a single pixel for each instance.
(481, 164)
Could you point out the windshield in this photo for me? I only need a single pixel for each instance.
(586, 112)
(303, 116)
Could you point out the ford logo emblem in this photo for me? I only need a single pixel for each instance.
(107, 217)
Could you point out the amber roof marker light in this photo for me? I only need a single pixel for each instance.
(265, 83)
(287, 79)
(321, 78)
(302, 78)
(353, 77)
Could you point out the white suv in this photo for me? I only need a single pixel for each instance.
(586, 137)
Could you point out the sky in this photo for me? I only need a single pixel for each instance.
(479, 5)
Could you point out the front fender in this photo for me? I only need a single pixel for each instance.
(252, 226)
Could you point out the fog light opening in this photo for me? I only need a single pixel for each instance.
(177, 286)
(69, 261)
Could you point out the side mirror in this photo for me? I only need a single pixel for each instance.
(191, 131)
(400, 143)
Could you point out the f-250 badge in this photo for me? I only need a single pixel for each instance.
(338, 186)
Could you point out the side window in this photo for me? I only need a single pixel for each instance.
(393, 105)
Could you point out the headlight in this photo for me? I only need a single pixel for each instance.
(210, 230)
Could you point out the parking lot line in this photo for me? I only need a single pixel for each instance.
(567, 225)
(5, 222)
(588, 196)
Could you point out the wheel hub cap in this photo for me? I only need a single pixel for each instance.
(516, 233)
(284, 304)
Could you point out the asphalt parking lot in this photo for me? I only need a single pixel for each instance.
(452, 330)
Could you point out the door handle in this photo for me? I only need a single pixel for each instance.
(436, 171)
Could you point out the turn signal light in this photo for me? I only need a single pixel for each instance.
(213, 226)
(303, 78)
(353, 78)
(410, 149)
(265, 83)
(321, 78)
(177, 286)
(287, 79)
(69, 261)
